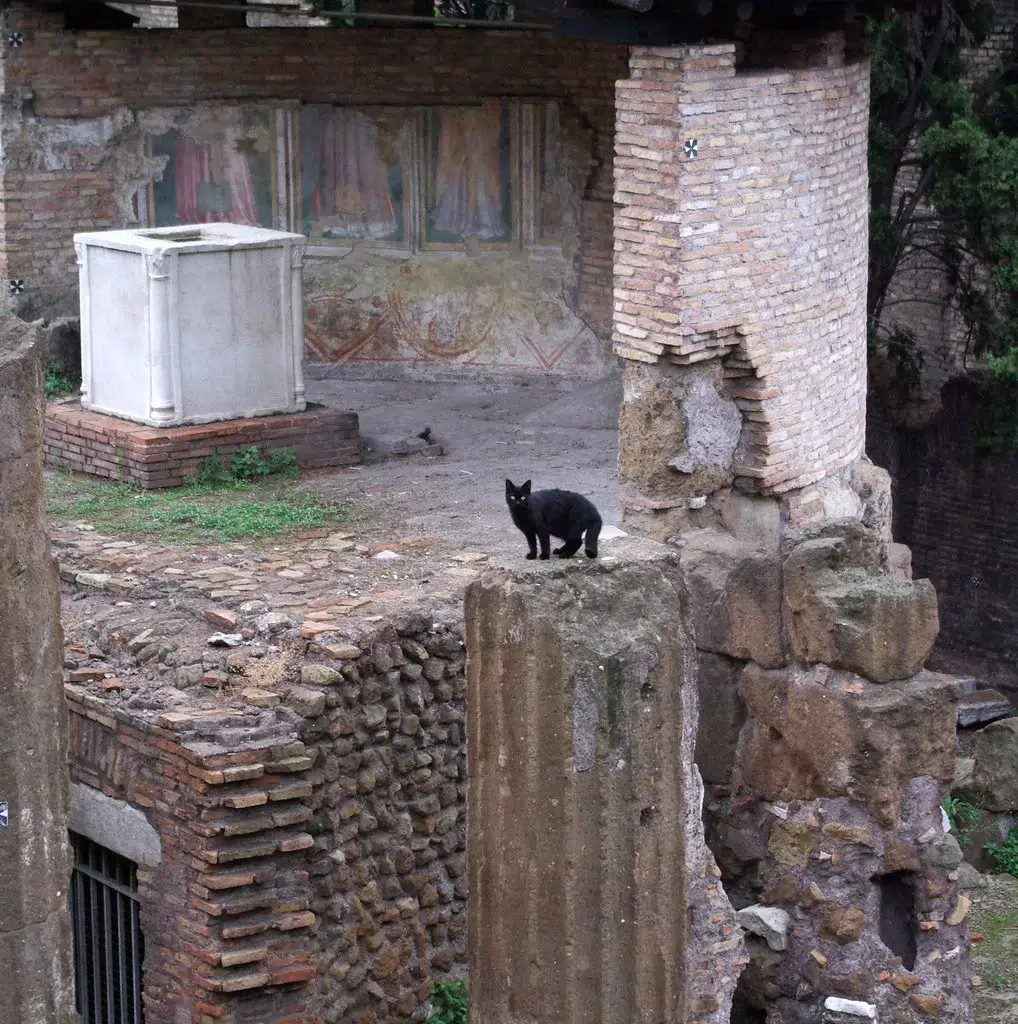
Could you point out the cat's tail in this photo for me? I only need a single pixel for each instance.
(590, 540)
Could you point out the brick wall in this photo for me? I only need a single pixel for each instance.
(958, 512)
(312, 823)
(101, 80)
(152, 457)
(225, 914)
(754, 250)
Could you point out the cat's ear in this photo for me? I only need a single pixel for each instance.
(509, 486)
(526, 488)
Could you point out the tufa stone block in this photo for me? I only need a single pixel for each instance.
(879, 627)
(994, 779)
(735, 597)
(874, 738)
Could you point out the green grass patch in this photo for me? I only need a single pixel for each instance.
(194, 514)
(995, 916)
(54, 384)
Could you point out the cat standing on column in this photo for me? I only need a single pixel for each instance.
(545, 514)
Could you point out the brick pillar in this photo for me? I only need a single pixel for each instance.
(593, 899)
(36, 978)
(740, 280)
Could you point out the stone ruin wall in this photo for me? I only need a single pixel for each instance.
(955, 507)
(79, 117)
(826, 744)
(804, 617)
(312, 824)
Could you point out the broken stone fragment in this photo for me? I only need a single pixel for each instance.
(930, 1005)
(343, 652)
(982, 707)
(882, 628)
(769, 923)
(850, 1008)
(259, 698)
(873, 486)
(225, 640)
(842, 924)
(273, 622)
(961, 909)
(944, 853)
(306, 702)
(320, 675)
(221, 617)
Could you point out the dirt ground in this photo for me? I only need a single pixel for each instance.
(557, 437)
(136, 605)
(995, 956)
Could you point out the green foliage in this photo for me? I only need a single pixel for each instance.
(942, 168)
(192, 514)
(964, 818)
(245, 466)
(449, 1001)
(54, 383)
(1004, 856)
(1005, 366)
(996, 422)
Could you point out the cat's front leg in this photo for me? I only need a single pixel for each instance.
(545, 540)
(532, 543)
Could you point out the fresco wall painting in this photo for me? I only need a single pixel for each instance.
(436, 234)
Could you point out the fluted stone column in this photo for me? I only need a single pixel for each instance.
(593, 899)
(36, 979)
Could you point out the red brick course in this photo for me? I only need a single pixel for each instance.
(154, 457)
(225, 910)
(754, 250)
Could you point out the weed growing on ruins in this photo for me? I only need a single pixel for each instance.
(963, 817)
(190, 514)
(1004, 856)
(54, 384)
(449, 1001)
(247, 465)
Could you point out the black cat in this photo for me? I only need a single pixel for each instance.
(562, 514)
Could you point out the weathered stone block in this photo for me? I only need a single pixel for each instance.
(994, 780)
(817, 732)
(722, 714)
(880, 627)
(35, 949)
(873, 485)
(678, 434)
(586, 851)
(981, 707)
(734, 597)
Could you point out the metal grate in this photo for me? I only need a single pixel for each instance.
(108, 945)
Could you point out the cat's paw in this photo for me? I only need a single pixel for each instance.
(591, 554)
(532, 554)
(544, 556)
